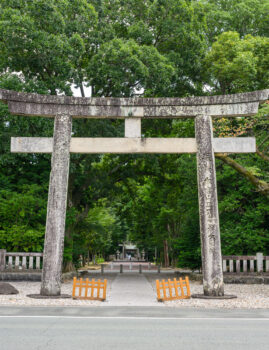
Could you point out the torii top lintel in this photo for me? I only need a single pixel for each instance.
(243, 104)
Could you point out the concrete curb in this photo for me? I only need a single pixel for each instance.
(230, 279)
(32, 276)
(246, 279)
(20, 276)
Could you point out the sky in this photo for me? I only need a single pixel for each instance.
(87, 90)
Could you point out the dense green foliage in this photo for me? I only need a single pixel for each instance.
(126, 48)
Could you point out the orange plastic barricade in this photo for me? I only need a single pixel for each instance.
(173, 290)
(89, 290)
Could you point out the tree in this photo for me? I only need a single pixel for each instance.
(174, 27)
(258, 126)
(242, 16)
(23, 179)
(22, 217)
(238, 65)
(123, 68)
(45, 40)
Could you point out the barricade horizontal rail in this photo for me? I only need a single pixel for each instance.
(89, 289)
(20, 261)
(173, 289)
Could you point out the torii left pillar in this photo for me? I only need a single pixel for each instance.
(56, 209)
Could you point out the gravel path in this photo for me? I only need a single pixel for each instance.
(249, 296)
(25, 288)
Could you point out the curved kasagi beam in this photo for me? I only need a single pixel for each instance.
(243, 104)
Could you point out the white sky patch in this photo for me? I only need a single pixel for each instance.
(77, 93)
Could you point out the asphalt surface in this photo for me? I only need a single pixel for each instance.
(38, 328)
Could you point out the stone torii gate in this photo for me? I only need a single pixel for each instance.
(63, 109)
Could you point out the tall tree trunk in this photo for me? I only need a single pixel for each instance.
(262, 155)
(68, 265)
(82, 89)
(166, 253)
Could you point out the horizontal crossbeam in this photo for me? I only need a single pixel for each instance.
(254, 96)
(133, 145)
(121, 112)
(245, 104)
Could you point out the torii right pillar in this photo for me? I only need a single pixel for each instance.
(208, 207)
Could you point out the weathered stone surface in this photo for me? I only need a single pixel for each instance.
(255, 96)
(84, 111)
(266, 280)
(2, 259)
(132, 127)
(259, 262)
(31, 276)
(31, 145)
(229, 279)
(244, 279)
(227, 110)
(56, 210)
(208, 207)
(234, 145)
(6, 289)
(20, 276)
(42, 105)
(133, 145)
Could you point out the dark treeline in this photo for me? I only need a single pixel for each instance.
(152, 48)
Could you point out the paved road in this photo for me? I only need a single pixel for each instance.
(132, 328)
